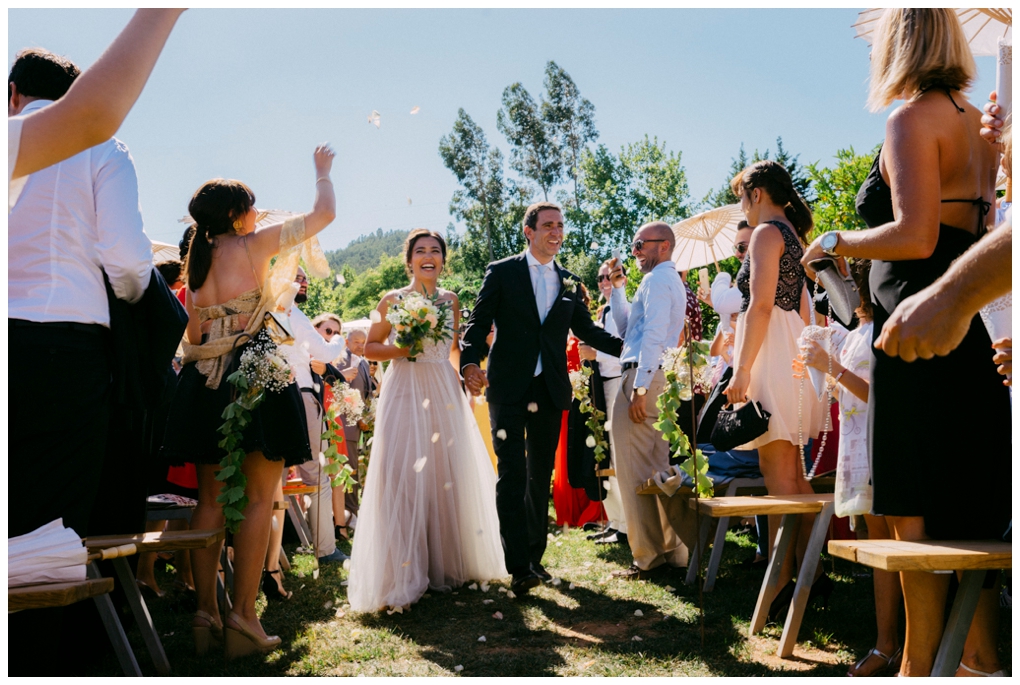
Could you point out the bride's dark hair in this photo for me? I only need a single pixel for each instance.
(214, 207)
(416, 235)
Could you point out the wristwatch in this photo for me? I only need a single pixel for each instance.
(829, 242)
(640, 392)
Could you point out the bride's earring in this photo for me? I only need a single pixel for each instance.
(238, 225)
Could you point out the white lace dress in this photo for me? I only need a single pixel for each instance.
(998, 315)
(428, 511)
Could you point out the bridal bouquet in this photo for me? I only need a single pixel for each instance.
(262, 369)
(348, 403)
(686, 369)
(417, 318)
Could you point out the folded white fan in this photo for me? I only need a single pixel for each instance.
(821, 336)
(49, 554)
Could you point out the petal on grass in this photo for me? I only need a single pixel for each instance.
(639, 613)
(458, 668)
(481, 639)
(498, 615)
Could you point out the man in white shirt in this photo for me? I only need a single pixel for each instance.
(72, 223)
(309, 345)
(648, 325)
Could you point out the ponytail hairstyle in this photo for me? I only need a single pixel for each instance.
(775, 181)
(214, 207)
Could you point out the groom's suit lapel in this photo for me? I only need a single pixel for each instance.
(561, 275)
(524, 274)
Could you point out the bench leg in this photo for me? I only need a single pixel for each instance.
(300, 525)
(768, 586)
(142, 617)
(960, 616)
(225, 583)
(805, 578)
(722, 525)
(114, 629)
(694, 559)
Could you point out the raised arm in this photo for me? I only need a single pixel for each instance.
(100, 99)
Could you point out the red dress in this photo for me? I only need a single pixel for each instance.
(572, 505)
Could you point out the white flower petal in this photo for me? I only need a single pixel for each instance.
(638, 612)
(425, 403)
(308, 501)
(556, 582)
(502, 589)
(498, 615)
(533, 407)
(460, 604)
(669, 588)
(588, 564)
(637, 638)
(458, 668)
(510, 594)
(343, 583)
(322, 458)
(481, 639)
(571, 586)
(449, 407)
(485, 587)
(275, 523)
(449, 443)
(405, 564)
(473, 586)
(420, 464)
(415, 109)
(340, 613)
(447, 486)
(501, 434)
(488, 601)
(435, 438)
(328, 605)
(590, 441)
(594, 245)
(375, 316)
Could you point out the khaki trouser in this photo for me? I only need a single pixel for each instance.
(612, 502)
(660, 529)
(320, 514)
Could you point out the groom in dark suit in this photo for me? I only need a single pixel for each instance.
(534, 302)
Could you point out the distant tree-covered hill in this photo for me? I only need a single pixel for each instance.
(366, 251)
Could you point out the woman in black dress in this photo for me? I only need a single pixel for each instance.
(229, 286)
(943, 421)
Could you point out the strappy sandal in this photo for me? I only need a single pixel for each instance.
(891, 663)
(973, 671)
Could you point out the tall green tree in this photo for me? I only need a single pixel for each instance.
(479, 170)
(836, 189)
(570, 119)
(364, 293)
(724, 195)
(534, 152)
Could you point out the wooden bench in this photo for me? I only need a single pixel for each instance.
(291, 491)
(973, 557)
(791, 507)
(141, 542)
(47, 595)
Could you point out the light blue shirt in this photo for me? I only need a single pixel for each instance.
(655, 320)
(552, 289)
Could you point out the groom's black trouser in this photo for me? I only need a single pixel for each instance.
(525, 459)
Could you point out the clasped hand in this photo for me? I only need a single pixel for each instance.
(475, 379)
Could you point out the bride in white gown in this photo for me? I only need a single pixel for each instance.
(428, 510)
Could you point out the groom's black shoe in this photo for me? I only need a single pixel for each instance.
(524, 582)
(540, 571)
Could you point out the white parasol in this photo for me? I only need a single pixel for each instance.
(706, 238)
(164, 252)
(357, 325)
(50, 554)
(989, 32)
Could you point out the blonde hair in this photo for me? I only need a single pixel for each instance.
(327, 316)
(917, 48)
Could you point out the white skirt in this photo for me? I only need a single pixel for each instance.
(428, 510)
(794, 405)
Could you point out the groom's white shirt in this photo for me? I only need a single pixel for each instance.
(552, 289)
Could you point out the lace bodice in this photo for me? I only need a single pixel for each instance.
(434, 353)
(791, 273)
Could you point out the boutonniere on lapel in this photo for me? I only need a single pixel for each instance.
(570, 285)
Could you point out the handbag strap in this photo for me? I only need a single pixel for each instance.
(244, 239)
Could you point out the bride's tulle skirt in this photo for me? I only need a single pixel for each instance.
(428, 511)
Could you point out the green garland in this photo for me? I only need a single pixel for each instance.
(236, 416)
(596, 421)
(679, 366)
(337, 466)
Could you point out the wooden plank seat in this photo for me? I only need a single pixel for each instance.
(167, 541)
(47, 595)
(790, 507)
(605, 473)
(973, 557)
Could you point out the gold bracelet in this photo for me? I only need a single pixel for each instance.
(327, 179)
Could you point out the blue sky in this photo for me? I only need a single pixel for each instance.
(248, 94)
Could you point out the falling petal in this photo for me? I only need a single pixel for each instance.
(550, 536)
(473, 586)
(375, 118)
(498, 615)
(481, 639)
(639, 613)
(420, 464)
(425, 403)
(458, 668)
(303, 586)
(571, 586)
(343, 583)
(322, 458)
(408, 200)
(300, 574)
(375, 316)
(449, 443)
(308, 501)
(637, 638)
(485, 587)
(556, 582)
(347, 564)
(275, 523)
(447, 486)
(340, 279)
(608, 484)
(608, 427)
(501, 434)
(316, 387)
(533, 407)
(594, 245)
(559, 544)
(590, 442)
(369, 442)
(405, 564)
(449, 407)
(415, 109)
(488, 601)
(328, 605)
(435, 438)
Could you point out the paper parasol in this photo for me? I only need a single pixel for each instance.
(706, 238)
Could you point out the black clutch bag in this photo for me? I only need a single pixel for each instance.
(735, 427)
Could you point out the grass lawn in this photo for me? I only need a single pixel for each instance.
(588, 624)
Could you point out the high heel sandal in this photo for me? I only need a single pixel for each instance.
(891, 665)
(208, 635)
(242, 640)
(272, 588)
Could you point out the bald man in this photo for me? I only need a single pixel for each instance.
(657, 526)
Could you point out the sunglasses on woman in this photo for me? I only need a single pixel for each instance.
(740, 248)
(329, 331)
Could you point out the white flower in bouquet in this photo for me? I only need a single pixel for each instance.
(264, 367)
(348, 402)
(417, 318)
(579, 384)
